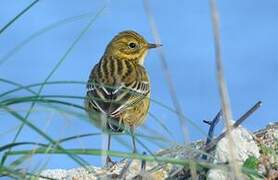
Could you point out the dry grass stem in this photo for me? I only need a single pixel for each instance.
(169, 81)
(225, 102)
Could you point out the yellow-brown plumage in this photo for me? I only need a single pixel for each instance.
(118, 88)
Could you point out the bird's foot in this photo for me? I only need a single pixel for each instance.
(109, 163)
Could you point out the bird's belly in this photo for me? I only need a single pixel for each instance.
(131, 116)
(136, 114)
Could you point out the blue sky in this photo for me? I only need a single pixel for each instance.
(249, 48)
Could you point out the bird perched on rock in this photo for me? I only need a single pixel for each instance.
(118, 88)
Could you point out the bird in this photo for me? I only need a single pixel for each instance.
(118, 89)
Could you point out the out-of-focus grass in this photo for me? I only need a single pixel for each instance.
(223, 90)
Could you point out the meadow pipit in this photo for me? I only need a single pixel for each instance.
(118, 88)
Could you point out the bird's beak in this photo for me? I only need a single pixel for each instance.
(150, 45)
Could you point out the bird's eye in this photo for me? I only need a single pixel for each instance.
(132, 45)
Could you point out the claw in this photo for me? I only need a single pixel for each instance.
(109, 163)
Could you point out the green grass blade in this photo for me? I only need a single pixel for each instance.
(71, 82)
(22, 159)
(98, 152)
(68, 82)
(16, 84)
(50, 101)
(61, 61)
(43, 99)
(158, 159)
(18, 16)
(166, 129)
(33, 92)
(44, 135)
(18, 174)
(28, 87)
(47, 101)
(87, 27)
(35, 98)
(56, 67)
(40, 32)
(8, 146)
(78, 136)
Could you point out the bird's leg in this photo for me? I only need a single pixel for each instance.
(132, 129)
(108, 159)
(143, 163)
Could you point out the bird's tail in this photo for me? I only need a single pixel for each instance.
(115, 125)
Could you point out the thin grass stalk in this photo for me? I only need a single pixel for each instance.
(159, 159)
(60, 141)
(42, 99)
(225, 101)
(42, 31)
(28, 98)
(79, 160)
(15, 144)
(27, 87)
(166, 71)
(169, 82)
(17, 174)
(18, 16)
(57, 66)
(16, 84)
(97, 152)
(166, 129)
(20, 160)
(80, 82)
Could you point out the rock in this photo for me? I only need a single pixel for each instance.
(267, 139)
(268, 136)
(218, 174)
(244, 147)
(54, 173)
(93, 173)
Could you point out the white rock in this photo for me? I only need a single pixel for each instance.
(54, 173)
(103, 173)
(244, 146)
(71, 174)
(218, 174)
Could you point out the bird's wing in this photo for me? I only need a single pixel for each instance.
(129, 95)
(113, 98)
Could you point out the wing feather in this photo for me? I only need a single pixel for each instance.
(113, 98)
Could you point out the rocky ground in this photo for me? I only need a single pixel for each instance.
(258, 151)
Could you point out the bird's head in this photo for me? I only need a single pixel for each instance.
(129, 45)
